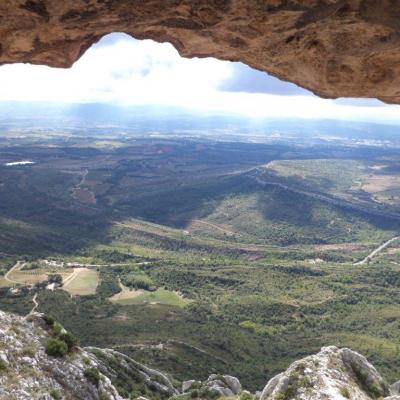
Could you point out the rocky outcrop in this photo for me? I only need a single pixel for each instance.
(396, 388)
(27, 372)
(332, 47)
(214, 386)
(332, 374)
(121, 368)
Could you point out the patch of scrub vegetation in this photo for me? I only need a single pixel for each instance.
(93, 375)
(56, 347)
(138, 281)
(61, 342)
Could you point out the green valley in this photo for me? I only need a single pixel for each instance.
(192, 255)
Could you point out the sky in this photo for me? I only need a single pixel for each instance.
(121, 70)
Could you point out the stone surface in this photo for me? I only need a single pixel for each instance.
(332, 47)
(119, 366)
(27, 372)
(189, 385)
(395, 387)
(221, 385)
(332, 374)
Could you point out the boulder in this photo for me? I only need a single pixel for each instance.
(188, 385)
(331, 374)
(224, 385)
(395, 388)
(233, 384)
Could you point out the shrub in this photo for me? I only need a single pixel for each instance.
(92, 375)
(57, 329)
(48, 319)
(246, 396)
(138, 281)
(3, 366)
(69, 339)
(55, 278)
(205, 393)
(194, 394)
(55, 394)
(56, 347)
(29, 351)
(345, 392)
(86, 361)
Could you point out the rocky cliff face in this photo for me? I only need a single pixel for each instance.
(332, 47)
(27, 371)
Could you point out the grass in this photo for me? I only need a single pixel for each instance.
(125, 295)
(84, 283)
(160, 296)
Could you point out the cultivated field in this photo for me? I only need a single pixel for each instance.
(81, 282)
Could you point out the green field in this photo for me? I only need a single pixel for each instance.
(159, 296)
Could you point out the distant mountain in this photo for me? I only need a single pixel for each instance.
(144, 118)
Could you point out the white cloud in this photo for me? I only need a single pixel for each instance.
(124, 70)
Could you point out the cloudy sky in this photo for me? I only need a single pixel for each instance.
(120, 69)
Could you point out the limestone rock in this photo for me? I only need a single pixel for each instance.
(27, 372)
(119, 366)
(189, 385)
(395, 387)
(221, 385)
(233, 384)
(332, 374)
(335, 48)
(39, 376)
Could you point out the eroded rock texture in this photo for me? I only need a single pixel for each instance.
(333, 47)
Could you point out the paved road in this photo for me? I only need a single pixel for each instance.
(371, 255)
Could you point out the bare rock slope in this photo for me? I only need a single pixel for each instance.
(335, 48)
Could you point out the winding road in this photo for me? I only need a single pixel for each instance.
(35, 304)
(18, 265)
(371, 255)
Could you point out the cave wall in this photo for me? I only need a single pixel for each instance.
(346, 48)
